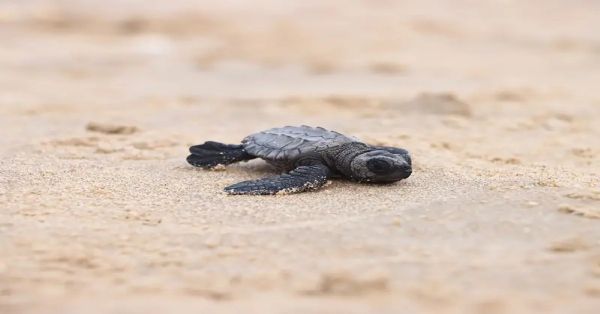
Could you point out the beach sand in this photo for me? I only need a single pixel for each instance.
(498, 102)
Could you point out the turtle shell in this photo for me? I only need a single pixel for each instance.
(291, 142)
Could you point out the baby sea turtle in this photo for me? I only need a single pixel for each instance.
(309, 156)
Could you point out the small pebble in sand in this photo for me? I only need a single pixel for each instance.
(592, 195)
(387, 68)
(349, 283)
(592, 290)
(212, 241)
(322, 67)
(434, 103)
(596, 268)
(583, 152)
(108, 128)
(106, 148)
(580, 211)
(218, 167)
(569, 245)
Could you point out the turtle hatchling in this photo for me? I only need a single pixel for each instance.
(308, 156)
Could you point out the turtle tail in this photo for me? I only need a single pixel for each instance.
(212, 154)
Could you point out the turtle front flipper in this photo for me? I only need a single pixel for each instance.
(301, 179)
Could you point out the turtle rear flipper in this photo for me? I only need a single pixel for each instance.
(303, 178)
(211, 154)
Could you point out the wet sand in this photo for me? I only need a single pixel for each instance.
(498, 103)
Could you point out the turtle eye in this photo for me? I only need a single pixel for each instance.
(378, 166)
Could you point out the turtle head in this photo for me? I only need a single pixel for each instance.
(382, 166)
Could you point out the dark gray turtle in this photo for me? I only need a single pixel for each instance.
(309, 155)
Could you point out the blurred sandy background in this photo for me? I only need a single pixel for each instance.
(498, 101)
